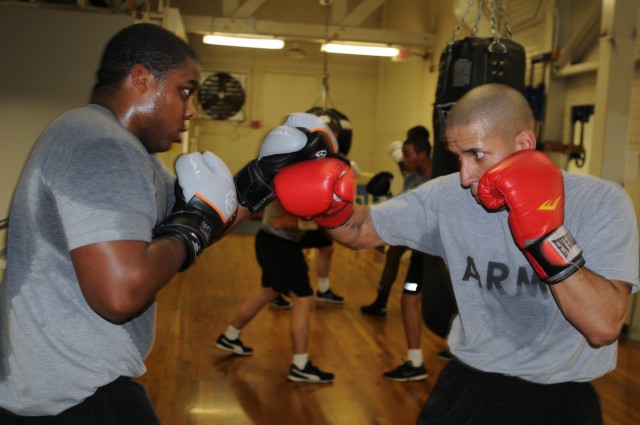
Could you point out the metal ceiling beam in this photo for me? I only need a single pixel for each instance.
(248, 8)
(229, 7)
(233, 9)
(583, 39)
(361, 12)
(338, 10)
(202, 25)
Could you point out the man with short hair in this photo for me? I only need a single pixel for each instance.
(541, 271)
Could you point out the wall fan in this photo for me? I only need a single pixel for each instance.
(222, 96)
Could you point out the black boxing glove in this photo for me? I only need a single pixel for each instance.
(304, 136)
(380, 184)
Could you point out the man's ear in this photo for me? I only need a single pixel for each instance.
(526, 140)
(141, 77)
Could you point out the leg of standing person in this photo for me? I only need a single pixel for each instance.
(321, 240)
(280, 302)
(389, 274)
(266, 248)
(323, 267)
(230, 339)
(301, 293)
(413, 369)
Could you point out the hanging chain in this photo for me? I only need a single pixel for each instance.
(325, 78)
(458, 27)
(505, 20)
(495, 26)
(496, 44)
(476, 24)
(495, 22)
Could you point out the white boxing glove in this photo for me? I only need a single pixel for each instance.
(206, 203)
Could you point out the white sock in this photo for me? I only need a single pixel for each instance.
(232, 333)
(323, 284)
(300, 360)
(415, 356)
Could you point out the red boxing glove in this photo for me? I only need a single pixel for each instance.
(532, 189)
(322, 189)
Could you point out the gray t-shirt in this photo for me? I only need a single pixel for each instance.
(413, 180)
(508, 320)
(87, 180)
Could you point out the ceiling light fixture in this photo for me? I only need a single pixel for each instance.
(253, 41)
(360, 49)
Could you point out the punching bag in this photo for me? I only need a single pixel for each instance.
(336, 119)
(465, 64)
(438, 302)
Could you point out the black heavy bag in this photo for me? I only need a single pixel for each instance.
(465, 64)
(339, 121)
(438, 302)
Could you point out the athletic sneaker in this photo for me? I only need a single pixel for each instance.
(407, 372)
(374, 309)
(329, 296)
(445, 355)
(234, 346)
(310, 374)
(280, 302)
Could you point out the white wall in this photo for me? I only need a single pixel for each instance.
(278, 86)
(48, 60)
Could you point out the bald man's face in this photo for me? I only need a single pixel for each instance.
(477, 152)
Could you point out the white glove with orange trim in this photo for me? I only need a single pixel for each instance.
(206, 203)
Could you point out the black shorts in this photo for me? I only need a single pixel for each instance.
(316, 239)
(463, 395)
(284, 267)
(421, 267)
(122, 402)
(415, 274)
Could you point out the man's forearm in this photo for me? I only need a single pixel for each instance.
(594, 305)
(357, 232)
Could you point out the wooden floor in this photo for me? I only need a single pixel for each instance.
(193, 383)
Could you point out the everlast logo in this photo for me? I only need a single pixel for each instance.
(497, 275)
(564, 244)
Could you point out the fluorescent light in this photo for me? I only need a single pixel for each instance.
(360, 49)
(241, 41)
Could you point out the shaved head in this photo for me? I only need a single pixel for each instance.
(499, 110)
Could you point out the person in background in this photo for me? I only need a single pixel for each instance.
(541, 272)
(314, 237)
(394, 253)
(417, 164)
(279, 250)
(320, 239)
